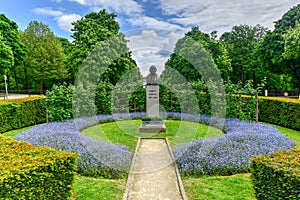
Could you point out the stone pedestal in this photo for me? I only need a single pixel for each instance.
(152, 100)
(153, 125)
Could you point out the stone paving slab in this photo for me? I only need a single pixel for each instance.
(154, 175)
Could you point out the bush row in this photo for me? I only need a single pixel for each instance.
(280, 111)
(277, 175)
(30, 172)
(15, 114)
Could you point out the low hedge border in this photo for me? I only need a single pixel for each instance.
(277, 175)
(19, 113)
(31, 172)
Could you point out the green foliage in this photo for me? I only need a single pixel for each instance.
(191, 55)
(277, 175)
(271, 50)
(241, 45)
(59, 102)
(281, 113)
(30, 172)
(91, 35)
(7, 57)
(45, 59)
(11, 47)
(21, 113)
(292, 43)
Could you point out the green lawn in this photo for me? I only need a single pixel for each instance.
(234, 187)
(87, 188)
(127, 132)
(13, 133)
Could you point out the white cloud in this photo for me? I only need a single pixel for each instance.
(221, 15)
(47, 11)
(149, 22)
(148, 48)
(64, 21)
(121, 6)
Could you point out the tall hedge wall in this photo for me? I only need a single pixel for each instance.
(15, 114)
(31, 172)
(277, 175)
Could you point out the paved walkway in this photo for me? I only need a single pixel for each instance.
(153, 174)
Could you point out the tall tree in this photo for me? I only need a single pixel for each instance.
(212, 46)
(45, 60)
(271, 49)
(241, 43)
(10, 44)
(88, 33)
(7, 57)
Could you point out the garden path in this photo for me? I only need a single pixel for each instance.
(154, 175)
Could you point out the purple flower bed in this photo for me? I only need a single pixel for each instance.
(230, 153)
(96, 158)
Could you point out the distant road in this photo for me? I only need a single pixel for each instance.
(16, 96)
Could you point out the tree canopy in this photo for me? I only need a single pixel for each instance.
(90, 32)
(46, 58)
(12, 50)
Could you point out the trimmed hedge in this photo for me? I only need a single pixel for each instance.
(283, 113)
(19, 113)
(30, 172)
(277, 175)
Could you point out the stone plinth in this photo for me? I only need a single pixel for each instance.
(152, 100)
(152, 127)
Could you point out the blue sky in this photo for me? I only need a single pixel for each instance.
(151, 26)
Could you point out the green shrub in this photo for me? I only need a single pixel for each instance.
(282, 113)
(21, 113)
(59, 102)
(277, 175)
(30, 172)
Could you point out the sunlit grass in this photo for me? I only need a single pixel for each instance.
(127, 132)
(236, 187)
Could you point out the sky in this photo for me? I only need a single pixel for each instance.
(151, 26)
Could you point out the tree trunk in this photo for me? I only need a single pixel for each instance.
(41, 85)
(26, 77)
(16, 79)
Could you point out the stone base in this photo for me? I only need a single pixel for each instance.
(152, 127)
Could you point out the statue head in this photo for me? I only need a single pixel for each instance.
(153, 69)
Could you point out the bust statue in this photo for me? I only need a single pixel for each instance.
(152, 78)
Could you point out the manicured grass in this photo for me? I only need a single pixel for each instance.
(127, 132)
(236, 187)
(87, 188)
(292, 134)
(13, 133)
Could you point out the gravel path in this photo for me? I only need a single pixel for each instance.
(153, 175)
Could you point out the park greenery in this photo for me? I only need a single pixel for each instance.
(233, 68)
(36, 59)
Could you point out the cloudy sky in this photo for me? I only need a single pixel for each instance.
(152, 26)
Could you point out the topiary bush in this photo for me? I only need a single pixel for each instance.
(30, 172)
(277, 175)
